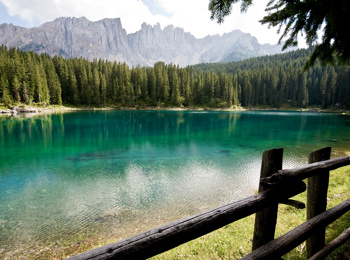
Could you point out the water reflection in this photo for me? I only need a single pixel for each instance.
(64, 176)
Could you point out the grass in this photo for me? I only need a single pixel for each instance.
(230, 242)
(234, 241)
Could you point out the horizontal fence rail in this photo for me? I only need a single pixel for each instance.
(306, 171)
(325, 251)
(278, 188)
(283, 244)
(163, 238)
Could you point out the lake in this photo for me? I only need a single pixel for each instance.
(92, 175)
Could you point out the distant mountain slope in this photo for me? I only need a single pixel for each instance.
(106, 39)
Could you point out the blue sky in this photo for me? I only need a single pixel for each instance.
(191, 15)
(6, 18)
(155, 8)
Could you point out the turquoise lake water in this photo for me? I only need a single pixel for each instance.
(81, 175)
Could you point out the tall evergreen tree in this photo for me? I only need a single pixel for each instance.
(83, 83)
(302, 93)
(103, 85)
(96, 85)
(74, 96)
(323, 87)
(6, 97)
(152, 86)
(174, 86)
(15, 89)
(343, 83)
(331, 87)
(166, 87)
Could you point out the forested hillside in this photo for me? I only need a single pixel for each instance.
(274, 81)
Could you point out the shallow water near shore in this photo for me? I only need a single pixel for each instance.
(67, 178)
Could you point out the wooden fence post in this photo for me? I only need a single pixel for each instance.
(265, 220)
(317, 187)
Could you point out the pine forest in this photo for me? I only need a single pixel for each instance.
(272, 81)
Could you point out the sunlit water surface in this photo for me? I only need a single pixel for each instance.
(84, 175)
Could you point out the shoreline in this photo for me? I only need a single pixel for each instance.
(65, 247)
(20, 110)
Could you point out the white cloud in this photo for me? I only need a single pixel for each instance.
(132, 12)
(192, 15)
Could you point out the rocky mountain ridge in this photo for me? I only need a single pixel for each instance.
(107, 39)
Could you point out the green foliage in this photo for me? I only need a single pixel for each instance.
(278, 80)
(272, 81)
(221, 8)
(305, 18)
(6, 98)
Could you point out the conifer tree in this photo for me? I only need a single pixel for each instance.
(136, 80)
(15, 89)
(159, 92)
(330, 89)
(37, 85)
(144, 84)
(174, 85)
(112, 83)
(115, 91)
(187, 91)
(235, 100)
(53, 83)
(24, 93)
(343, 83)
(166, 87)
(230, 91)
(6, 97)
(302, 94)
(306, 18)
(103, 85)
(121, 84)
(209, 85)
(199, 89)
(30, 75)
(323, 87)
(74, 96)
(83, 83)
(152, 85)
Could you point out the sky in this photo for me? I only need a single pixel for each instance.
(191, 15)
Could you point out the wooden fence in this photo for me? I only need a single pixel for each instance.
(276, 186)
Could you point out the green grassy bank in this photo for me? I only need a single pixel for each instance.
(230, 242)
(234, 241)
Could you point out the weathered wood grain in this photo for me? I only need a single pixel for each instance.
(329, 248)
(294, 203)
(301, 173)
(317, 188)
(265, 220)
(283, 244)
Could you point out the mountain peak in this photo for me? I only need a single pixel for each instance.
(106, 39)
(82, 19)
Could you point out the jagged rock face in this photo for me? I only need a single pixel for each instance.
(9, 32)
(106, 39)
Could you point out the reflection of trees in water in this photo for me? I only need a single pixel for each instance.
(123, 129)
(120, 129)
(40, 128)
(119, 166)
